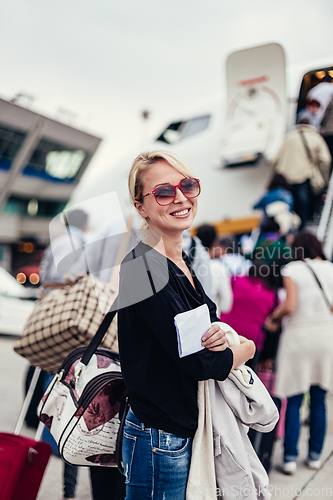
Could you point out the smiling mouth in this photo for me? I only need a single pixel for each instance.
(181, 212)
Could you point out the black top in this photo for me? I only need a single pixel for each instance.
(162, 387)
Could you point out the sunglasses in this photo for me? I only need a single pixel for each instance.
(166, 194)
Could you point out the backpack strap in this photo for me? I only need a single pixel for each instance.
(306, 146)
(98, 337)
(124, 408)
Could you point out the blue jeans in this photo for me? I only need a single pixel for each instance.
(156, 463)
(70, 477)
(317, 424)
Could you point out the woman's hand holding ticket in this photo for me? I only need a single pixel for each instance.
(215, 339)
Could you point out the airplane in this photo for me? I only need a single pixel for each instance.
(229, 142)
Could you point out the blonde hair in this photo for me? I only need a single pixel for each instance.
(144, 161)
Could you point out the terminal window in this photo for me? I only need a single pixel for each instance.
(10, 142)
(17, 205)
(50, 160)
(56, 162)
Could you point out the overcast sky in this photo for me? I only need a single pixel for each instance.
(106, 61)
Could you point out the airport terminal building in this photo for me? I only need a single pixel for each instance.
(41, 161)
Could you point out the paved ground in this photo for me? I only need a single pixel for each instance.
(305, 483)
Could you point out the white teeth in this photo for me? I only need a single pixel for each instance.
(183, 212)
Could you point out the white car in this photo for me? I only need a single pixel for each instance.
(16, 304)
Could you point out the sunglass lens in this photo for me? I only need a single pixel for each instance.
(190, 187)
(165, 194)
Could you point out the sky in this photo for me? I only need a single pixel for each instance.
(105, 61)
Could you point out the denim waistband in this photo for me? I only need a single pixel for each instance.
(133, 420)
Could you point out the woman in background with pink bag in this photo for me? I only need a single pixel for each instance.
(253, 300)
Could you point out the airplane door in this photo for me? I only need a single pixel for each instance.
(256, 116)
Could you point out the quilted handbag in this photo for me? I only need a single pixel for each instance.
(81, 405)
(69, 316)
(65, 319)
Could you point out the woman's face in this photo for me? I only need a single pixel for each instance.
(177, 216)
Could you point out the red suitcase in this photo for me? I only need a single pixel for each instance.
(22, 465)
(22, 460)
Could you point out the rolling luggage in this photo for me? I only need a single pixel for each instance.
(22, 460)
(263, 443)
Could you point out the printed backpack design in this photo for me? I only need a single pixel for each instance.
(81, 408)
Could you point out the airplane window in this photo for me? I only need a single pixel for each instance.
(177, 131)
(172, 133)
(196, 125)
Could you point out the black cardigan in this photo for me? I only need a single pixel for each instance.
(162, 387)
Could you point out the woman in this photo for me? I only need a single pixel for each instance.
(305, 355)
(253, 300)
(156, 284)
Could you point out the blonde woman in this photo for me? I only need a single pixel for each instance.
(156, 284)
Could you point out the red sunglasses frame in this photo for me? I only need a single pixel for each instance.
(175, 188)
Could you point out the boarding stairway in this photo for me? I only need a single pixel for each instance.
(325, 227)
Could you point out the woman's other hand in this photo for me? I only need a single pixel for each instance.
(243, 352)
(214, 339)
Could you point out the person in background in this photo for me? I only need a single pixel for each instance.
(311, 111)
(106, 482)
(199, 260)
(278, 221)
(77, 225)
(293, 162)
(278, 190)
(253, 300)
(305, 353)
(323, 93)
(58, 250)
(99, 258)
(221, 290)
(101, 252)
(271, 247)
(232, 258)
(326, 128)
